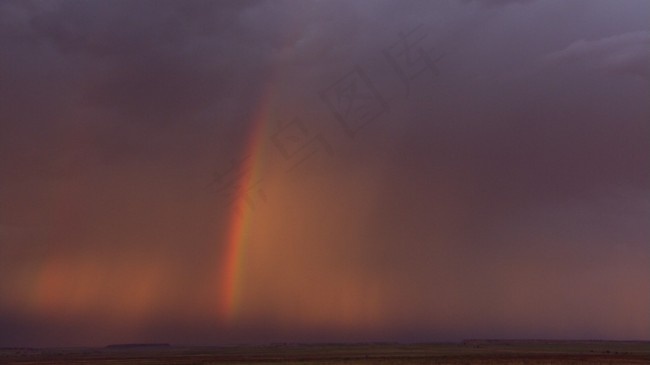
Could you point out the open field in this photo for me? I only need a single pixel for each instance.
(468, 352)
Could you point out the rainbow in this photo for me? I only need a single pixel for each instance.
(232, 259)
(240, 217)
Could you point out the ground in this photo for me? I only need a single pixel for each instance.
(468, 352)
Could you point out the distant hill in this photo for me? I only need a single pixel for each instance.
(138, 346)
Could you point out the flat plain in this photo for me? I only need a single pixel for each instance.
(467, 352)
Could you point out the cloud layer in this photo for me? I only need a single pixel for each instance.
(497, 187)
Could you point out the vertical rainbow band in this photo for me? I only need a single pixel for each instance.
(240, 219)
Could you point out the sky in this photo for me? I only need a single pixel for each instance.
(226, 172)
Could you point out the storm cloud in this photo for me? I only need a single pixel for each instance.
(493, 183)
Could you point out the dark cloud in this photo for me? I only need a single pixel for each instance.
(498, 2)
(503, 194)
(626, 53)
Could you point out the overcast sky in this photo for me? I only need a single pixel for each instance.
(392, 171)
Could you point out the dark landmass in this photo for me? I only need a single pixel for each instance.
(138, 346)
(466, 352)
